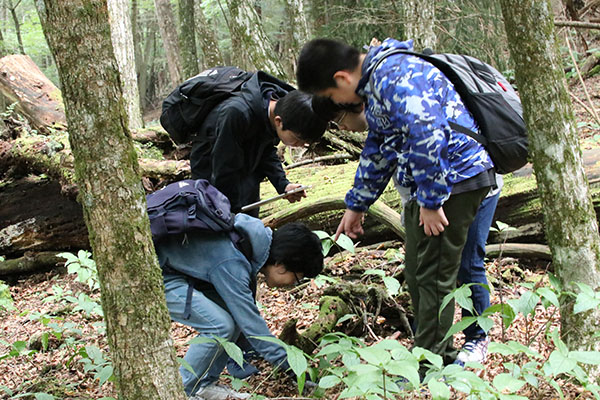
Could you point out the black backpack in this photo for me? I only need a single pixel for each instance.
(193, 205)
(493, 103)
(184, 110)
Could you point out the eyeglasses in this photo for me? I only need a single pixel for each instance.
(334, 125)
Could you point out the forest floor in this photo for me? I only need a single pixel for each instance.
(48, 341)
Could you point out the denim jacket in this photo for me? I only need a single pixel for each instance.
(213, 258)
(408, 105)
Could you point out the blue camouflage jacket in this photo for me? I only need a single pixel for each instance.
(408, 105)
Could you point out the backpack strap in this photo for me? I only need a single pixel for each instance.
(474, 135)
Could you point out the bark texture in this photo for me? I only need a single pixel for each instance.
(570, 222)
(208, 39)
(113, 200)
(122, 40)
(22, 82)
(187, 38)
(298, 33)
(419, 17)
(245, 25)
(166, 25)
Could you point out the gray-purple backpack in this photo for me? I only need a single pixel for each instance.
(192, 205)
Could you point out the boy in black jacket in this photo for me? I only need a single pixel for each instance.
(235, 146)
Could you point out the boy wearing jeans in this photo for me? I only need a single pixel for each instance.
(408, 105)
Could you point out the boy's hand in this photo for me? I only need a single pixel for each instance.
(351, 224)
(433, 221)
(294, 197)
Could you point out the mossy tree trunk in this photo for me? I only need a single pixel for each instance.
(208, 39)
(168, 33)
(570, 222)
(12, 7)
(419, 17)
(112, 197)
(246, 26)
(122, 40)
(187, 38)
(298, 33)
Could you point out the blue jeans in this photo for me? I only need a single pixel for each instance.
(209, 318)
(472, 267)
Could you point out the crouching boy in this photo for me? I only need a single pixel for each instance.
(223, 304)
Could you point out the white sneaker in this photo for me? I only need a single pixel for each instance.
(474, 351)
(218, 392)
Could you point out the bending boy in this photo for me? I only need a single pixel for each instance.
(223, 305)
(234, 148)
(409, 103)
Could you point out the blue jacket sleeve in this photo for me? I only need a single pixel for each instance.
(231, 279)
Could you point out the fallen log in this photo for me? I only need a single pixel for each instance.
(30, 262)
(38, 99)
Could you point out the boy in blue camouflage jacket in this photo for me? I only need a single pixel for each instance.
(408, 104)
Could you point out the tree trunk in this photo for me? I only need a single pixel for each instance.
(208, 40)
(3, 49)
(13, 13)
(187, 38)
(419, 22)
(133, 301)
(570, 222)
(166, 24)
(37, 98)
(122, 40)
(298, 33)
(246, 26)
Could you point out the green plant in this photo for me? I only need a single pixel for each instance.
(83, 266)
(328, 241)
(6, 300)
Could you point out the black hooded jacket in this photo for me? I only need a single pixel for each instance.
(235, 146)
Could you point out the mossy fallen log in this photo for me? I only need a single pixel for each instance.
(30, 262)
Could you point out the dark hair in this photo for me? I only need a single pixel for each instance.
(298, 248)
(295, 110)
(320, 59)
(325, 108)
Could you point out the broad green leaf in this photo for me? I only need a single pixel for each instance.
(326, 245)
(392, 285)
(43, 396)
(186, 365)
(549, 295)
(507, 382)
(345, 318)
(459, 326)
(333, 348)
(234, 352)
(525, 304)
(560, 364)
(374, 355)
(363, 369)
(297, 360)
(585, 302)
(463, 297)
(424, 354)
(377, 272)
(322, 234)
(485, 323)
(406, 369)
(506, 312)
(439, 390)
(329, 381)
(345, 243)
(586, 357)
(105, 374)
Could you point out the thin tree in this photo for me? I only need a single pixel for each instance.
(246, 27)
(569, 218)
(112, 198)
(12, 7)
(3, 49)
(298, 33)
(166, 25)
(208, 39)
(122, 40)
(187, 38)
(419, 17)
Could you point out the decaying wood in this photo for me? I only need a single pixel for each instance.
(379, 211)
(519, 250)
(30, 262)
(22, 82)
(333, 157)
(577, 24)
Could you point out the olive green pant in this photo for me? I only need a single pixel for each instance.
(432, 264)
